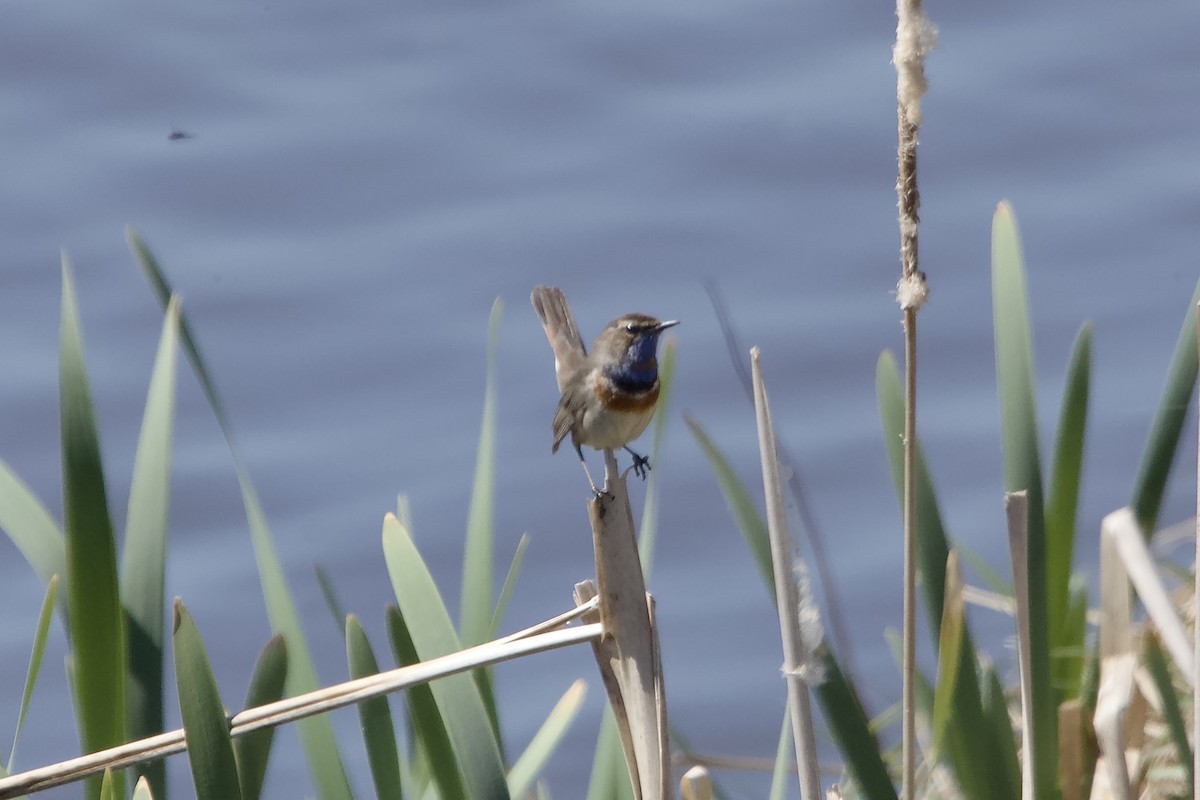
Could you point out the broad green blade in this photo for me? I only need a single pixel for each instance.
(478, 551)
(741, 504)
(316, 733)
(648, 532)
(959, 719)
(1172, 413)
(1071, 643)
(1001, 742)
(428, 728)
(34, 532)
(510, 580)
(143, 565)
(1022, 471)
(253, 750)
(950, 643)
(610, 776)
(1062, 498)
(1061, 504)
(35, 663)
(97, 626)
(210, 748)
(531, 762)
(933, 546)
(851, 730)
(840, 706)
(957, 705)
(375, 716)
(432, 633)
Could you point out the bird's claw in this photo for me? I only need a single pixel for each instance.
(641, 465)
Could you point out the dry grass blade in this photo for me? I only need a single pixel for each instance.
(796, 652)
(1118, 691)
(1116, 602)
(1122, 528)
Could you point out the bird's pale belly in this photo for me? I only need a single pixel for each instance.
(609, 429)
(616, 418)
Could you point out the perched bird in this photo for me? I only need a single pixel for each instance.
(608, 396)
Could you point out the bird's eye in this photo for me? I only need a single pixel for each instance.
(629, 327)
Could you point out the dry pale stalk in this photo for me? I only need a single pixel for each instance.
(1196, 616)
(796, 651)
(914, 38)
(628, 653)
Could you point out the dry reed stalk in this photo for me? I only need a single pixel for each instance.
(1121, 526)
(914, 38)
(1196, 617)
(628, 652)
(796, 652)
(1116, 700)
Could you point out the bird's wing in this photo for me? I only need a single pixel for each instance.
(559, 323)
(568, 411)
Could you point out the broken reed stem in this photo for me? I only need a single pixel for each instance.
(796, 652)
(294, 708)
(628, 654)
(913, 40)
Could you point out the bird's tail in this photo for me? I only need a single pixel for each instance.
(552, 309)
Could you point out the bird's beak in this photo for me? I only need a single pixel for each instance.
(671, 323)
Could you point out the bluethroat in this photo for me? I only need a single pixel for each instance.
(608, 396)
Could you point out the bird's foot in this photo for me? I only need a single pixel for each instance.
(602, 496)
(641, 464)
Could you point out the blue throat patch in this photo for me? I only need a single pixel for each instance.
(638, 370)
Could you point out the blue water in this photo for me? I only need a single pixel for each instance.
(362, 181)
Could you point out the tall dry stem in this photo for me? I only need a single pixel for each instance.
(1196, 618)
(914, 38)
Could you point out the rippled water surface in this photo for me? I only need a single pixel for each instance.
(362, 181)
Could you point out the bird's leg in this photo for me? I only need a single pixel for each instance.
(641, 464)
(586, 471)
